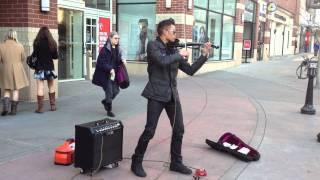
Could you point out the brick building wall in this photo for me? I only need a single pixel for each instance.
(177, 8)
(26, 13)
(293, 6)
(238, 36)
(267, 30)
(289, 5)
(25, 17)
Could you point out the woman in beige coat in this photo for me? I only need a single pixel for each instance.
(12, 73)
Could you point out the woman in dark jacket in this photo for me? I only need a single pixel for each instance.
(110, 57)
(45, 49)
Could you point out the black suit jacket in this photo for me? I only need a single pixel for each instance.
(163, 65)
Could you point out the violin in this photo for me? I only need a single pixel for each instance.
(193, 45)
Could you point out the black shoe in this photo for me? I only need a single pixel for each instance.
(104, 103)
(137, 169)
(179, 167)
(110, 114)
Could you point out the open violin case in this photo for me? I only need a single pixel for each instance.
(233, 145)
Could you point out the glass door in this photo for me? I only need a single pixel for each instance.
(91, 40)
(70, 44)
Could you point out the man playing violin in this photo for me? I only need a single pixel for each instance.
(162, 93)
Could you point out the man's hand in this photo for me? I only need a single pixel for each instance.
(206, 49)
(124, 61)
(184, 53)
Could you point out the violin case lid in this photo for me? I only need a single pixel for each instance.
(233, 145)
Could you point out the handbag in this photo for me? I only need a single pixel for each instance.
(32, 61)
(122, 77)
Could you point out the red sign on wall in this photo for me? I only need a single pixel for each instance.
(247, 44)
(104, 30)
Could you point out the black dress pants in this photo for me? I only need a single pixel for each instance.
(174, 112)
(111, 91)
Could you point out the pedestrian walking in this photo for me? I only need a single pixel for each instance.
(316, 47)
(162, 93)
(12, 74)
(110, 57)
(45, 50)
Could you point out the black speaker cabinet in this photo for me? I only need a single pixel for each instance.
(98, 144)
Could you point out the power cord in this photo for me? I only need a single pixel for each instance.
(158, 161)
(101, 156)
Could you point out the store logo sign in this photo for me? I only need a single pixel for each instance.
(104, 30)
(247, 44)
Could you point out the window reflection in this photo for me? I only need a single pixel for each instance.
(214, 21)
(227, 38)
(214, 33)
(137, 27)
(229, 7)
(98, 4)
(70, 44)
(216, 5)
(91, 38)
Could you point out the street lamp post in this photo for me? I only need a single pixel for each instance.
(312, 71)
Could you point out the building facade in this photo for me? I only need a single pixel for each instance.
(81, 28)
(26, 17)
(309, 24)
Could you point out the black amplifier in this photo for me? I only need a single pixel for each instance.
(98, 144)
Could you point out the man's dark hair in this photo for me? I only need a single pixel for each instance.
(164, 24)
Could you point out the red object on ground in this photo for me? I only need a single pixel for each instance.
(64, 153)
(200, 173)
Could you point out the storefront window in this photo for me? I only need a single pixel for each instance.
(249, 11)
(91, 3)
(229, 7)
(98, 4)
(227, 38)
(249, 24)
(216, 5)
(214, 21)
(199, 29)
(201, 3)
(136, 26)
(214, 33)
(103, 4)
